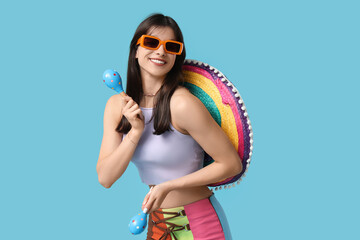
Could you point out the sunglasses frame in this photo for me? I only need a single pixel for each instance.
(141, 42)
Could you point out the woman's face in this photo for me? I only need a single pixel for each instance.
(156, 63)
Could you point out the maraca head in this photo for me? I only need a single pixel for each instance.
(113, 80)
(138, 223)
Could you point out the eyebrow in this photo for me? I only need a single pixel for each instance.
(150, 33)
(158, 37)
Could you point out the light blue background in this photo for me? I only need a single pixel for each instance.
(295, 63)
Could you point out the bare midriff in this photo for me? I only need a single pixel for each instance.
(184, 196)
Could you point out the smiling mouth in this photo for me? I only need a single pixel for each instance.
(157, 61)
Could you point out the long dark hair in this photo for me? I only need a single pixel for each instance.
(161, 112)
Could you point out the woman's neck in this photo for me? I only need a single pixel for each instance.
(147, 102)
(151, 86)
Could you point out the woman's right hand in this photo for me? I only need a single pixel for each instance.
(133, 114)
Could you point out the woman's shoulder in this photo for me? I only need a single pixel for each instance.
(181, 91)
(183, 100)
(115, 104)
(180, 96)
(187, 111)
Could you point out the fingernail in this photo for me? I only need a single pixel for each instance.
(145, 210)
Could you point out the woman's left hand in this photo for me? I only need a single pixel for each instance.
(155, 197)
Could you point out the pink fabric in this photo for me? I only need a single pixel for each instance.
(228, 99)
(198, 70)
(203, 220)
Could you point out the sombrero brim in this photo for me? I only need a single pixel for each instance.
(226, 106)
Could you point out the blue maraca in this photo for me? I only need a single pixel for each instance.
(138, 223)
(113, 80)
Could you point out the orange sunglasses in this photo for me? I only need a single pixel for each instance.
(153, 43)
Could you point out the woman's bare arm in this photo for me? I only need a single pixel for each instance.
(115, 154)
(191, 116)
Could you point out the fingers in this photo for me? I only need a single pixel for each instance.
(127, 98)
(149, 206)
(138, 113)
(130, 106)
(130, 103)
(157, 197)
(146, 199)
(131, 109)
(153, 203)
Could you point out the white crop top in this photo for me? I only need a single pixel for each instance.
(164, 157)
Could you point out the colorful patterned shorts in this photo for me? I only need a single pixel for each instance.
(204, 219)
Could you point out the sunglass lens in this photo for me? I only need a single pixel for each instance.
(173, 47)
(151, 42)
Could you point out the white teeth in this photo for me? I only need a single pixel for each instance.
(157, 61)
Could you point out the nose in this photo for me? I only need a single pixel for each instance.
(160, 50)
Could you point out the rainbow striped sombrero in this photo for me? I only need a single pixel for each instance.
(227, 108)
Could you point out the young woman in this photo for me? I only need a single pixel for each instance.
(164, 130)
